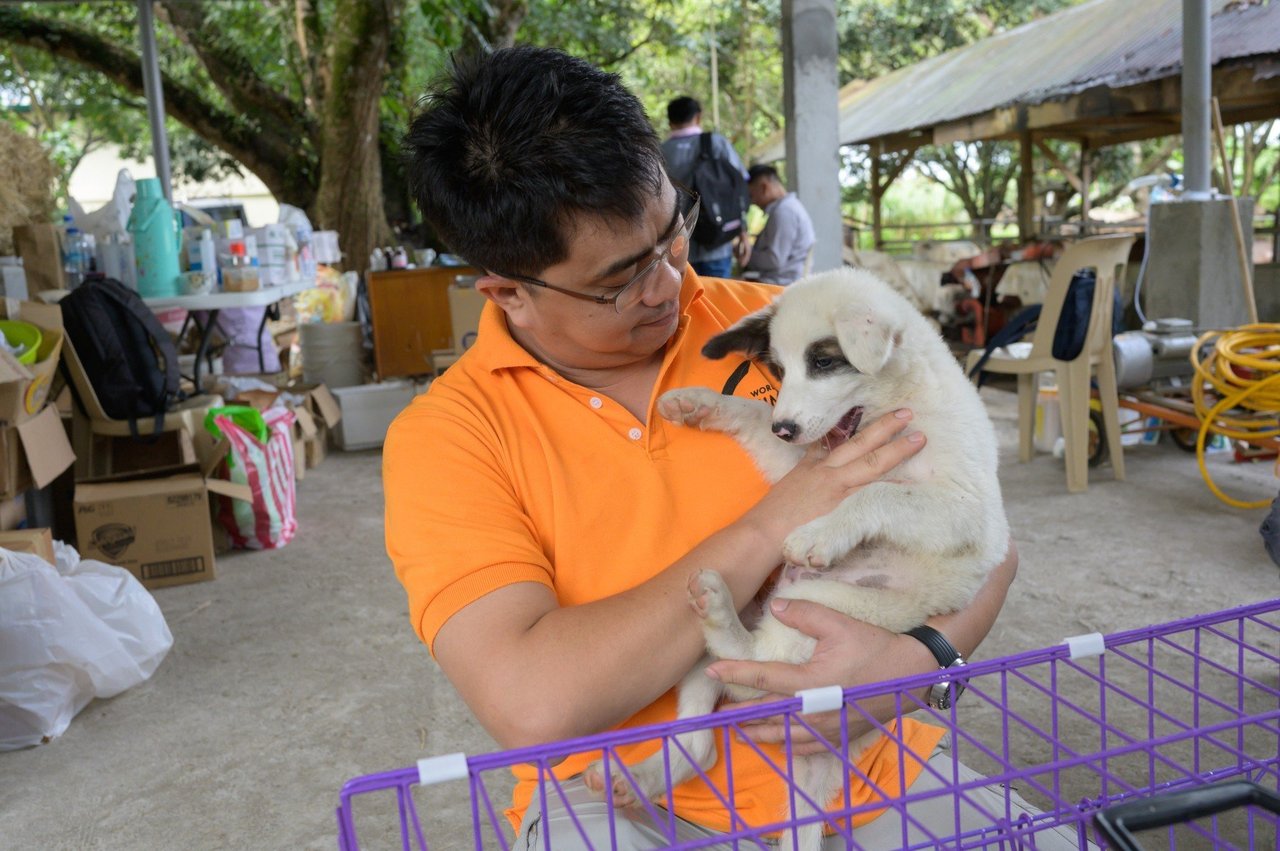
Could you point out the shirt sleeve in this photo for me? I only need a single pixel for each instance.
(454, 527)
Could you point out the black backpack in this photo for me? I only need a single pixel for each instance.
(129, 357)
(723, 191)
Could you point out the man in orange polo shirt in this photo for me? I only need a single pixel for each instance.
(542, 517)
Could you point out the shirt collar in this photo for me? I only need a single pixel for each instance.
(695, 130)
(496, 349)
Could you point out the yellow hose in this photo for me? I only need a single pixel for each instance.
(1244, 373)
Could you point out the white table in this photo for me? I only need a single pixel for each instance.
(213, 303)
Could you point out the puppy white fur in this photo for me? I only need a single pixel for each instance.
(848, 350)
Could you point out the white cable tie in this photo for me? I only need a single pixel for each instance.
(823, 699)
(1091, 644)
(438, 769)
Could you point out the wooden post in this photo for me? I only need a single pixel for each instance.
(1086, 178)
(1026, 188)
(876, 236)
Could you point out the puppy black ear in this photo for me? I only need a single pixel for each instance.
(750, 336)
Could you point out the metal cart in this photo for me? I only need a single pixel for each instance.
(1154, 729)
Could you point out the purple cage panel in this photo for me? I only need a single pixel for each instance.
(1073, 728)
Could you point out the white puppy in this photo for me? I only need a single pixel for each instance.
(848, 349)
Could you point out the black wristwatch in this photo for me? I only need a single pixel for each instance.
(943, 694)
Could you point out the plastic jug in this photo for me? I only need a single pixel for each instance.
(157, 240)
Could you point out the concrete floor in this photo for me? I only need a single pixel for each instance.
(296, 670)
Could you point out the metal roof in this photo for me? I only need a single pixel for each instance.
(1103, 44)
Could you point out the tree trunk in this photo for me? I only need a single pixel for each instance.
(349, 199)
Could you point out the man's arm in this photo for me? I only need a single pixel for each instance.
(850, 652)
(534, 671)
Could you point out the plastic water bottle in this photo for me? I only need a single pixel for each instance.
(208, 259)
(74, 266)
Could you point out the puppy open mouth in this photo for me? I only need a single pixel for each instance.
(844, 429)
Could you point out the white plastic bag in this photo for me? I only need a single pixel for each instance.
(68, 634)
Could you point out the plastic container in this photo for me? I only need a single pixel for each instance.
(74, 265)
(239, 276)
(332, 353)
(22, 334)
(1048, 424)
(157, 241)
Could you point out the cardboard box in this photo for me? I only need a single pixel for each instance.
(367, 412)
(156, 524)
(25, 389)
(35, 541)
(315, 416)
(33, 453)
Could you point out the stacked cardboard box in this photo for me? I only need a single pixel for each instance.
(33, 445)
(157, 524)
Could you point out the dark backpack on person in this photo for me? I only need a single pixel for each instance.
(128, 356)
(1073, 323)
(723, 191)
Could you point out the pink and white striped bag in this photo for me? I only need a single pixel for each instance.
(270, 521)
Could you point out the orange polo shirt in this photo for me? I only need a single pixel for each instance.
(505, 472)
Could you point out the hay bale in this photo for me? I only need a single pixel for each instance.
(28, 197)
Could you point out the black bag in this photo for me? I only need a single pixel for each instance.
(129, 357)
(723, 191)
(1073, 323)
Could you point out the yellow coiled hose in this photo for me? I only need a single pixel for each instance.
(1243, 371)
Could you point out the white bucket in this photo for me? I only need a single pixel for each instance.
(332, 353)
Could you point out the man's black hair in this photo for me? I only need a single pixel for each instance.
(762, 170)
(511, 147)
(682, 110)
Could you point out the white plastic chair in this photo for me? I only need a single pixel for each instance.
(1107, 255)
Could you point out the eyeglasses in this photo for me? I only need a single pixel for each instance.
(675, 254)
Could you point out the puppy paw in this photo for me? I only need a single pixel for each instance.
(810, 548)
(593, 779)
(691, 406)
(710, 597)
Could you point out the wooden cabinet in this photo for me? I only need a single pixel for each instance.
(409, 309)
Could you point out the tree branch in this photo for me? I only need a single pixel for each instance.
(270, 156)
(232, 72)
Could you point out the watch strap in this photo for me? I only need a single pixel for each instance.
(938, 645)
(942, 695)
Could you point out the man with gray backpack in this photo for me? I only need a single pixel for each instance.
(707, 164)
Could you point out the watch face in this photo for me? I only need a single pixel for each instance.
(942, 696)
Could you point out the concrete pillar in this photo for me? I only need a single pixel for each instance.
(811, 98)
(1197, 79)
(1193, 270)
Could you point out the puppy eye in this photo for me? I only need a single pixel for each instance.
(823, 363)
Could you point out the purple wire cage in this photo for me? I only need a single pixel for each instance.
(1089, 726)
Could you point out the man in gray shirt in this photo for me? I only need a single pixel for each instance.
(782, 248)
(680, 150)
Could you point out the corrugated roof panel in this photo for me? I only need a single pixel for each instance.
(1104, 42)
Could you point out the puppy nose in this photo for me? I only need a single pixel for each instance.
(786, 430)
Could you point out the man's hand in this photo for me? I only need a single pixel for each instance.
(849, 652)
(742, 251)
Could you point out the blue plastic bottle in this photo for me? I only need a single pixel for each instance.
(157, 240)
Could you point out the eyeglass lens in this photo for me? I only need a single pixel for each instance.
(675, 255)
